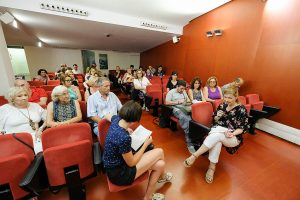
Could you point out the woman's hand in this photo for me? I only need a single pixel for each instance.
(38, 134)
(130, 130)
(148, 141)
(228, 134)
(220, 113)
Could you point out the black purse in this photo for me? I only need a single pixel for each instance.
(149, 148)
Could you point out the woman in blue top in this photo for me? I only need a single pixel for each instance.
(121, 165)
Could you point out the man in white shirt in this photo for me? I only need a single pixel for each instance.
(102, 102)
(76, 70)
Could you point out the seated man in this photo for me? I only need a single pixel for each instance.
(76, 70)
(238, 82)
(36, 95)
(102, 102)
(178, 96)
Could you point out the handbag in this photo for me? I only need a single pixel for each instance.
(36, 178)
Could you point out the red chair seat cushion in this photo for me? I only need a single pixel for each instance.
(69, 154)
(115, 188)
(12, 170)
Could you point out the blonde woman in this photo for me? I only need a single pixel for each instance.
(19, 115)
(92, 87)
(230, 122)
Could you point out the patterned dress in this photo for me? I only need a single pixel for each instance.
(64, 112)
(234, 119)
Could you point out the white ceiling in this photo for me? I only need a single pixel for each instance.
(119, 18)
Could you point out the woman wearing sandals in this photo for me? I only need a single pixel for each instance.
(121, 165)
(230, 122)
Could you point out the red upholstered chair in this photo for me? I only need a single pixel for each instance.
(49, 96)
(83, 108)
(36, 83)
(70, 156)
(3, 100)
(48, 87)
(53, 82)
(15, 159)
(243, 101)
(216, 103)
(201, 122)
(253, 99)
(103, 127)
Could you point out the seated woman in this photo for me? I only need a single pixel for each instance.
(121, 165)
(19, 115)
(195, 93)
(172, 83)
(139, 93)
(91, 71)
(42, 76)
(212, 91)
(74, 79)
(72, 89)
(148, 74)
(62, 110)
(92, 87)
(230, 122)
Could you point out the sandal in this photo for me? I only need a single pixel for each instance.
(208, 177)
(158, 196)
(166, 178)
(190, 160)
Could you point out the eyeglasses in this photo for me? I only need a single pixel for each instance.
(68, 80)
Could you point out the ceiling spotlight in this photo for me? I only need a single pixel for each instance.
(39, 44)
(218, 32)
(209, 33)
(175, 39)
(15, 23)
(6, 18)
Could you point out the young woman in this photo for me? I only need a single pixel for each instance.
(139, 93)
(172, 83)
(195, 93)
(230, 122)
(121, 165)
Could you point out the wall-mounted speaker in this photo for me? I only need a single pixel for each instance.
(175, 39)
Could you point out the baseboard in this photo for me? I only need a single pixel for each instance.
(280, 130)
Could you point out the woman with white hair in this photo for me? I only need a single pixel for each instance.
(19, 115)
(62, 110)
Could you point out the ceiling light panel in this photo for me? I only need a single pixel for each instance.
(154, 25)
(63, 9)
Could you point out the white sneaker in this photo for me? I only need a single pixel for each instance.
(147, 109)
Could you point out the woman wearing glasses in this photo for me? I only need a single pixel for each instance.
(62, 110)
(212, 91)
(73, 90)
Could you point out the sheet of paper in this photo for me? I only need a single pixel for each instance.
(139, 136)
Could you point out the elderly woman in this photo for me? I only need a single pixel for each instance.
(230, 122)
(195, 93)
(72, 89)
(212, 91)
(92, 87)
(19, 115)
(62, 109)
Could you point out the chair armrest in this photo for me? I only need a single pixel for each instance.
(197, 132)
(35, 179)
(97, 153)
(258, 114)
(271, 110)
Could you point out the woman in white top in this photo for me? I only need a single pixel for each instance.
(19, 115)
(140, 85)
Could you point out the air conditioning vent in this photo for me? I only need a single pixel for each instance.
(63, 9)
(154, 25)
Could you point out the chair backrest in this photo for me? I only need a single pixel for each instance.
(3, 100)
(216, 103)
(153, 87)
(48, 87)
(243, 101)
(36, 83)
(66, 146)
(103, 126)
(15, 158)
(202, 113)
(83, 108)
(155, 94)
(51, 75)
(252, 98)
(53, 82)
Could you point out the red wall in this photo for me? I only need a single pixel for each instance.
(260, 43)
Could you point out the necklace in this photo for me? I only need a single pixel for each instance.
(31, 123)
